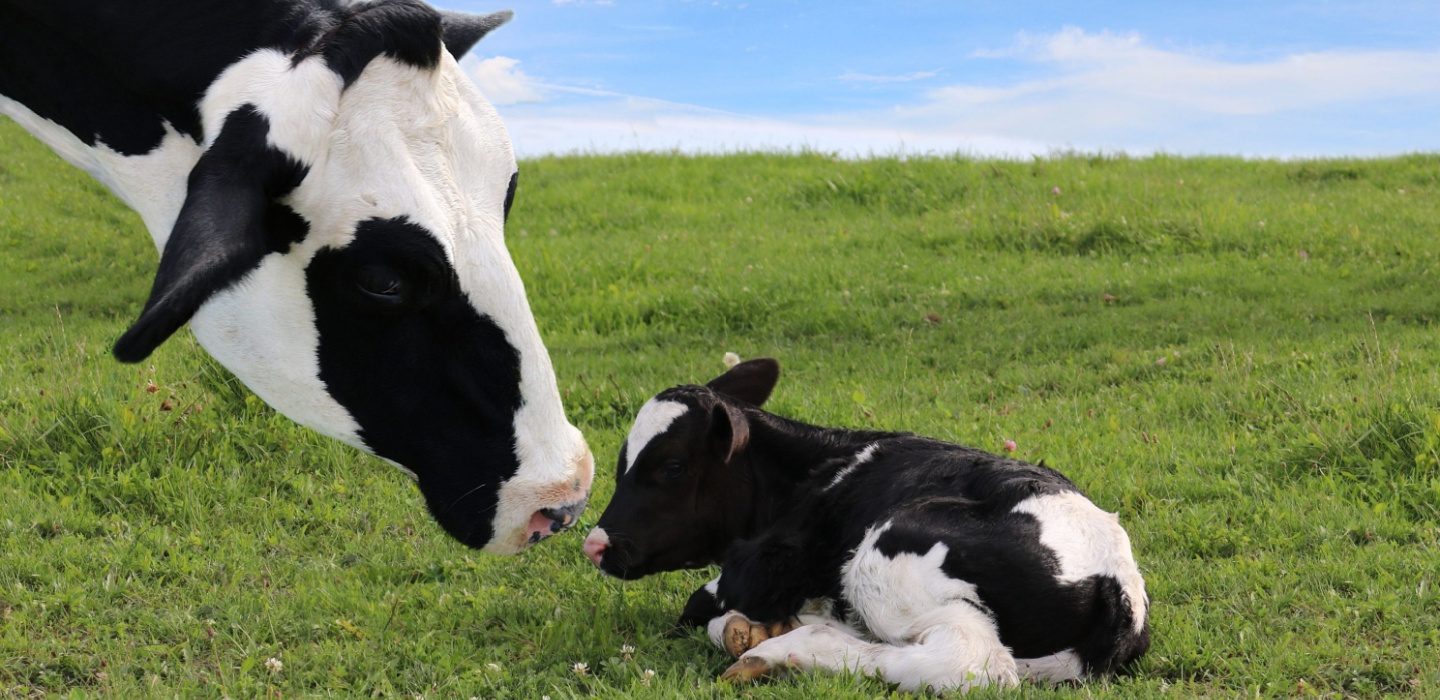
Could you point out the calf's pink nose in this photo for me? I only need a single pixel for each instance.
(596, 544)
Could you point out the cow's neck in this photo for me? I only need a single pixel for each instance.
(781, 457)
(118, 90)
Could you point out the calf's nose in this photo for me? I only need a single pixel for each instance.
(596, 544)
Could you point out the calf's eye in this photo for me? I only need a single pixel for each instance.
(671, 470)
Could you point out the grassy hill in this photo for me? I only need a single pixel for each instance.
(1239, 357)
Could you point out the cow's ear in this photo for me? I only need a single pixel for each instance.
(729, 431)
(463, 30)
(750, 381)
(219, 235)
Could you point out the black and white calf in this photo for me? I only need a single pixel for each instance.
(328, 192)
(923, 562)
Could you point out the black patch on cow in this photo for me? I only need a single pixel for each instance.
(405, 30)
(1014, 574)
(418, 365)
(510, 194)
(229, 222)
(115, 72)
(284, 227)
(701, 608)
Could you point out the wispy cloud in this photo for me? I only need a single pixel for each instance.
(1130, 73)
(853, 77)
(1118, 91)
(1082, 90)
(501, 80)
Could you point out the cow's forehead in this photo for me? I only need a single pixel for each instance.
(399, 141)
(654, 418)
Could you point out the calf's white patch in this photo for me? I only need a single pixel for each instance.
(654, 418)
(1088, 542)
(864, 456)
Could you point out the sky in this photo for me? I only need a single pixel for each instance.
(978, 77)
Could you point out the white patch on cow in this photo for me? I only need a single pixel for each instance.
(931, 632)
(654, 418)
(263, 330)
(153, 184)
(862, 457)
(1088, 542)
(1055, 668)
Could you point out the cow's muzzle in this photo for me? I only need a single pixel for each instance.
(548, 521)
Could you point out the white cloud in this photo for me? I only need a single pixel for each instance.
(1123, 69)
(853, 77)
(501, 80)
(1086, 90)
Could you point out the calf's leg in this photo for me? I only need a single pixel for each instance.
(962, 650)
(737, 634)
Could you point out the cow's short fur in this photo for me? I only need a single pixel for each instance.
(328, 192)
(923, 562)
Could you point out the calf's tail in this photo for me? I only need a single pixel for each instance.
(1116, 637)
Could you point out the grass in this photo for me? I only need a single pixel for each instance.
(1238, 356)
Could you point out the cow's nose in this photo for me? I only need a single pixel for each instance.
(548, 521)
(596, 544)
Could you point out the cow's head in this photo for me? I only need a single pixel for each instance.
(341, 250)
(680, 498)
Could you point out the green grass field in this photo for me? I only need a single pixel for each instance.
(1239, 357)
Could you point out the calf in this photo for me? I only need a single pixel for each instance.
(926, 563)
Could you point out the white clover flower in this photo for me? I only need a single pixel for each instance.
(731, 359)
(581, 668)
(274, 665)
(493, 666)
(627, 651)
(647, 676)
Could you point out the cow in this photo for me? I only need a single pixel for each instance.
(328, 193)
(926, 563)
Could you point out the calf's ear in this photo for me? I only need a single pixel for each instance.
(750, 381)
(729, 432)
(220, 234)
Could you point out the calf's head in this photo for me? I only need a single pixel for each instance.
(680, 493)
(341, 249)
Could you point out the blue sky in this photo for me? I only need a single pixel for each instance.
(987, 78)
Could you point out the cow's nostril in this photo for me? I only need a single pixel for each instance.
(548, 521)
(560, 518)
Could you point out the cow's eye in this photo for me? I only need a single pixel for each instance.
(671, 470)
(380, 283)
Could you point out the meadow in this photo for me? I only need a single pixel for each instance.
(1240, 357)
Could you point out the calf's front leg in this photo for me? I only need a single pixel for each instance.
(729, 630)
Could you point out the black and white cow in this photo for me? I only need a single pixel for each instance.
(328, 192)
(923, 562)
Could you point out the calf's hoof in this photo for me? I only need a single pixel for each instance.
(742, 635)
(748, 670)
